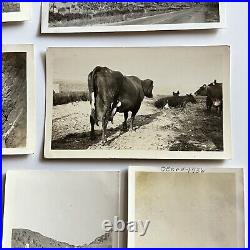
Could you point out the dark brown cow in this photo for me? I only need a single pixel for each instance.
(213, 91)
(177, 93)
(175, 101)
(110, 92)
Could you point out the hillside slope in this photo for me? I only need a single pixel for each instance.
(24, 238)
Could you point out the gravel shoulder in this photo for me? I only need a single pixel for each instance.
(189, 129)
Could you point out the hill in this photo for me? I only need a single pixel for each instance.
(24, 238)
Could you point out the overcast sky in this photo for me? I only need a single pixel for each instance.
(66, 206)
(171, 69)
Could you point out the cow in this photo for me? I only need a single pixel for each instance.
(177, 93)
(213, 92)
(175, 101)
(111, 92)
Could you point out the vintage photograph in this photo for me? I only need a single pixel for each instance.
(16, 11)
(17, 96)
(11, 7)
(187, 207)
(119, 103)
(66, 17)
(46, 209)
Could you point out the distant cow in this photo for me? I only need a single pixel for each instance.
(177, 93)
(110, 92)
(175, 101)
(213, 92)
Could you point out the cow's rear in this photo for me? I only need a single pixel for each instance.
(104, 85)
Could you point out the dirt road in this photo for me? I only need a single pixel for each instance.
(193, 15)
(191, 129)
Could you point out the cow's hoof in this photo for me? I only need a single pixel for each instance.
(104, 142)
(92, 137)
(124, 129)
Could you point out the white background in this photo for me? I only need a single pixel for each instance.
(235, 35)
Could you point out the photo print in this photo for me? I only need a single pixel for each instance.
(18, 99)
(73, 17)
(119, 103)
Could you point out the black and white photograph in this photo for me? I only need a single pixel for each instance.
(119, 103)
(67, 17)
(60, 209)
(187, 207)
(16, 11)
(17, 99)
(11, 7)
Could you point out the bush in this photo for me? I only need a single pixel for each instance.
(57, 17)
(70, 97)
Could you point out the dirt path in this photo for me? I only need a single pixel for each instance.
(193, 15)
(192, 129)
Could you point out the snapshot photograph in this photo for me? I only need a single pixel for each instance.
(119, 103)
(17, 95)
(16, 11)
(187, 207)
(66, 17)
(11, 7)
(60, 209)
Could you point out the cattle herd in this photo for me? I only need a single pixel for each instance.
(111, 92)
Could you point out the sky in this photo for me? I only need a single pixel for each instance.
(171, 68)
(66, 206)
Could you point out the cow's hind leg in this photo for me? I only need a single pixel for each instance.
(124, 125)
(209, 104)
(132, 120)
(104, 130)
(105, 120)
(92, 123)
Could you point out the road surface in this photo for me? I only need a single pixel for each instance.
(191, 129)
(193, 15)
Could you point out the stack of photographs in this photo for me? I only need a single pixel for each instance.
(185, 207)
(136, 103)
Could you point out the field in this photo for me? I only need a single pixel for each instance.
(189, 129)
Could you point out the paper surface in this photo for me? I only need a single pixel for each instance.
(66, 207)
(126, 19)
(19, 99)
(184, 132)
(187, 209)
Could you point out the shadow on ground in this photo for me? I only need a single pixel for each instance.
(81, 141)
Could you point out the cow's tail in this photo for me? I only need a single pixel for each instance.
(93, 91)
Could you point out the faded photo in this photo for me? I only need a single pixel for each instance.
(125, 16)
(188, 210)
(14, 100)
(18, 99)
(16, 11)
(10, 7)
(46, 209)
(138, 102)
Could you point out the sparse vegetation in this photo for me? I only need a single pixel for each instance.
(23, 238)
(14, 99)
(69, 97)
(91, 13)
